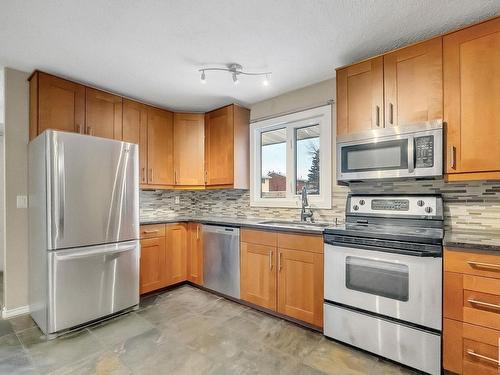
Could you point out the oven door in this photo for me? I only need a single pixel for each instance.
(404, 287)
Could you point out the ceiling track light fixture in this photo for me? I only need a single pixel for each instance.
(235, 70)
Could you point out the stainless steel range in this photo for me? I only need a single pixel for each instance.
(383, 278)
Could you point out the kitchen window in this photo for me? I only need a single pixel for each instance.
(290, 153)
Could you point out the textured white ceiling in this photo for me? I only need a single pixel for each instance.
(151, 49)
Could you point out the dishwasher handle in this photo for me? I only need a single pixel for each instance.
(230, 231)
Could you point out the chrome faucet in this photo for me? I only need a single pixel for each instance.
(306, 213)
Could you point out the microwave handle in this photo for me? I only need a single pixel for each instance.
(411, 154)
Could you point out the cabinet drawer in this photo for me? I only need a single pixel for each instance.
(260, 237)
(481, 308)
(480, 264)
(152, 230)
(305, 242)
(479, 358)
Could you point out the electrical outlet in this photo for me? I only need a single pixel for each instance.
(177, 199)
(22, 201)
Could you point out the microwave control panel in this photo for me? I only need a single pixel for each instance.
(424, 151)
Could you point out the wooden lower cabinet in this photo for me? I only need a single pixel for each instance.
(195, 254)
(176, 257)
(283, 272)
(300, 285)
(152, 265)
(258, 274)
(471, 326)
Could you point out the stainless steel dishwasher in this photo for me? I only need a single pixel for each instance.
(221, 259)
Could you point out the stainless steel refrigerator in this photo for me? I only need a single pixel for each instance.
(83, 229)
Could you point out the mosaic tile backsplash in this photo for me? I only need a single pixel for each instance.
(468, 206)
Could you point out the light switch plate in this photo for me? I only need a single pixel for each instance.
(177, 199)
(22, 201)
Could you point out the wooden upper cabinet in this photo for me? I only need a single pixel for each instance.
(227, 147)
(103, 114)
(160, 147)
(413, 84)
(189, 149)
(471, 101)
(55, 103)
(135, 130)
(360, 97)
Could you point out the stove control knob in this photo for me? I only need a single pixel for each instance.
(428, 209)
(420, 203)
(356, 207)
(361, 202)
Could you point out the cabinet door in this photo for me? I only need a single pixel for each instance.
(360, 97)
(413, 84)
(195, 254)
(135, 130)
(189, 149)
(219, 147)
(300, 285)
(452, 345)
(103, 114)
(152, 269)
(471, 60)
(160, 147)
(61, 104)
(258, 274)
(176, 253)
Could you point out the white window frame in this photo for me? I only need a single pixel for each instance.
(321, 116)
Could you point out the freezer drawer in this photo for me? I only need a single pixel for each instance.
(404, 344)
(92, 282)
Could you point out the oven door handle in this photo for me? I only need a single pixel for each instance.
(415, 253)
(411, 154)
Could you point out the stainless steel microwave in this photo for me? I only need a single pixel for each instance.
(414, 151)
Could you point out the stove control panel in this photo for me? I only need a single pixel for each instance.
(417, 206)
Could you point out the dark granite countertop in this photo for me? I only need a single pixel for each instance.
(240, 222)
(478, 240)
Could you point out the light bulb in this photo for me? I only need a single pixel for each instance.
(265, 82)
(235, 79)
(203, 78)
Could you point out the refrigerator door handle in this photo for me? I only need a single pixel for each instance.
(62, 188)
(100, 250)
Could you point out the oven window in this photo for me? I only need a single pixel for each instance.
(384, 279)
(375, 156)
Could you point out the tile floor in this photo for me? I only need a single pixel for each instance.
(183, 331)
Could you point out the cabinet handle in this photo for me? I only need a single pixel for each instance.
(150, 174)
(206, 177)
(78, 128)
(377, 121)
(143, 174)
(484, 304)
(391, 113)
(197, 231)
(472, 353)
(150, 231)
(271, 260)
(453, 152)
(483, 265)
(279, 262)
(175, 177)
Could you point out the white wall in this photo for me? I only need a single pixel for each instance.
(16, 183)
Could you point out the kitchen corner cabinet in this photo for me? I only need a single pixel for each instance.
(160, 148)
(413, 84)
(189, 156)
(55, 103)
(471, 312)
(195, 254)
(227, 156)
(360, 97)
(471, 102)
(135, 130)
(283, 272)
(103, 114)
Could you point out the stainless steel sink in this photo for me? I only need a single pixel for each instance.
(298, 224)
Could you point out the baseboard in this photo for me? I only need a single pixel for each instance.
(10, 313)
